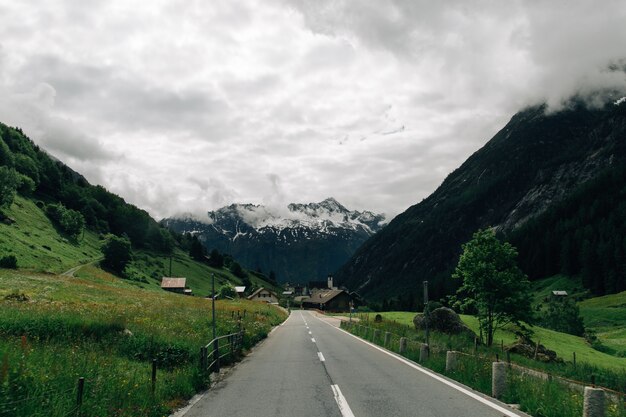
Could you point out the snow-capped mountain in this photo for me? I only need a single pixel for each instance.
(300, 242)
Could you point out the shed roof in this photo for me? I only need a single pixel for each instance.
(167, 282)
(240, 289)
(557, 292)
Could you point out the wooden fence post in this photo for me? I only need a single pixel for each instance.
(79, 394)
(154, 375)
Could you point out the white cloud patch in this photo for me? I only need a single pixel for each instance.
(184, 108)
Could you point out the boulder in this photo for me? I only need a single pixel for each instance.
(442, 319)
(526, 347)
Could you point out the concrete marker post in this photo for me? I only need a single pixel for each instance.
(387, 338)
(498, 379)
(593, 405)
(451, 360)
(424, 352)
(402, 345)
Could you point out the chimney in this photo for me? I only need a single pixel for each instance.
(330, 282)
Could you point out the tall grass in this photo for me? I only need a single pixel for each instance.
(109, 332)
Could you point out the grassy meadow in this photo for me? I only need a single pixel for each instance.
(107, 330)
(563, 344)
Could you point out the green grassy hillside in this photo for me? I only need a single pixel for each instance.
(563, 344)
(607, 317)
(37, 244)
(40, 247)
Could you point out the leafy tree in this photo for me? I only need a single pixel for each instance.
(69, 221)
(26, 166)
(563, 315)
(26, 185)
(237, 270)
(160, 239)
(117, 253)
(6, 156)
(227, 291)
(493, 283)
(272, 277)
(8, 185)
(196, 250)
(216, 260)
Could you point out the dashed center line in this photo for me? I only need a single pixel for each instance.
(341, 402)
(319, 354)
(310, 332)
(313, 340)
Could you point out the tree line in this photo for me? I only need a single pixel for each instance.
(68, 199)
(585, 234)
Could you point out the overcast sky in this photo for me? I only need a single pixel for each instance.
(191, 105)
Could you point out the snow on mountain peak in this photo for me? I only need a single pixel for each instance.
(326, 214)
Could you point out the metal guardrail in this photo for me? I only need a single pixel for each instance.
(231, 348)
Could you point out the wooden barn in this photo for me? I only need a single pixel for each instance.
(177, 285)
(330, 300)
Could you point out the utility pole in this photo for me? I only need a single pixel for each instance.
(426, 312)
(216, 343)
(170, 265)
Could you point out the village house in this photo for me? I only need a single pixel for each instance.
(177, 285)
(265, 295)
(328, 300)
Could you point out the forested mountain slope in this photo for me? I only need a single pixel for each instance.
(536, 160)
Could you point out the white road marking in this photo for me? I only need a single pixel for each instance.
(341, 402)
(465, 391)
(319, 354)
(313, 340)
(310, 332)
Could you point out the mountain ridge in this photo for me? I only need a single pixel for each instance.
(536, 159)
(300, 242)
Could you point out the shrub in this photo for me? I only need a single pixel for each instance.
(69, 221)
(227, 291)
(8, 262)
(117, 253)
(26, 185)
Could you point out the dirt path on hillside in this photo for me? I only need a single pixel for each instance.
(72, 271)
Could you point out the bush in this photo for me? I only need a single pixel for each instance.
(8, 262)
(68, 220)
(117, 253)
(25, 184)
(227, 291)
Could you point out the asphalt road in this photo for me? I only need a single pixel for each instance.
(309, 367)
